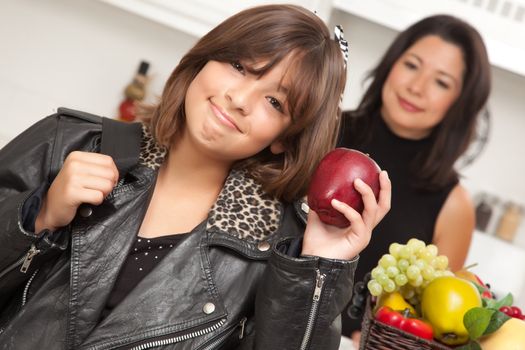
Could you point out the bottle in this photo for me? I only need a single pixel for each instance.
(483, 214)
(509, 222)
(134, 91)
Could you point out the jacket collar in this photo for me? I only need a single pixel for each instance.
(242, 209)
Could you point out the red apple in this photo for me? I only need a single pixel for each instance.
(334, 178)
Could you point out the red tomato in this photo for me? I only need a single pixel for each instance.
(410, 325)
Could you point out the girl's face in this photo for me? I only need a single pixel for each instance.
(421, 86)
(232, 114)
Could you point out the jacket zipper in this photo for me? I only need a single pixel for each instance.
(319, 282)
(26, 288)
(29, 258)
(225, 335)
(25, 261)
(180, 338)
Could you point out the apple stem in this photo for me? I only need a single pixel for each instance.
(470, 266)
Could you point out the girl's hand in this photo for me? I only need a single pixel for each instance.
(333, 242)
(84, 178)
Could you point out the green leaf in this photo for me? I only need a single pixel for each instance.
(496, 320)
(476, 321)
(507, 300)
(471, 345)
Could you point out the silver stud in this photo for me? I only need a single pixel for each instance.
(305, 207)
(208, 308)
(263, 246)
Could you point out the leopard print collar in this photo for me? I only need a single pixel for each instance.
(242, 208)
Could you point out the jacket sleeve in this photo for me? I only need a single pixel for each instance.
(299, 301)
(25, 166)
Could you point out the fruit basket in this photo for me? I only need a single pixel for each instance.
(376, 335)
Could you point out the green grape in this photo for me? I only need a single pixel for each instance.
(428, 273)
(376, 271)
(420, 263)
(413, 272)
(440, 262)
(416, 282)
(389, 286)
(387, 260)
(401, 280)
(382, 279)
(405, 252)
(392, 271)
(375, 288)
(427, 256)
(403, 264)
(448, 273)
(416, 245)
(394, 249)
(432, 249)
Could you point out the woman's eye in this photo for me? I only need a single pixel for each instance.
(410, 65)
(275, 103)
(442, 84)
(238, 66)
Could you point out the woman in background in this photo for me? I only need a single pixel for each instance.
(417, 117)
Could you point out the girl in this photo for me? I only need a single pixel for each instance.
(200, 245)
(422, 105)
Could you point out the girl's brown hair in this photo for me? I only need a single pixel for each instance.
(434, 166)
(270, 33)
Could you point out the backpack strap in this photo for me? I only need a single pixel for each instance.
(120, 140)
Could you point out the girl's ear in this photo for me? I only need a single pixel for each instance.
(277, 147)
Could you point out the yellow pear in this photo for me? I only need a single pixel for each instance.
(444, 303)
(395, 301)
(510, 336)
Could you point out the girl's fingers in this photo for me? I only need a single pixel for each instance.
(356, 221)
(92, 163)
(370, 203)
(98, 184)
(385, 195)
(90, 196)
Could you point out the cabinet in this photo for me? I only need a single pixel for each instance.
(501, 23)
(197, 17)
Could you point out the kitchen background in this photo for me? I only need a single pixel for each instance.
(82, 53)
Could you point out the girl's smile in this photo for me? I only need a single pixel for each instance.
(232, 113)
(224, 117)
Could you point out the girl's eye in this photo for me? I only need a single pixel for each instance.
(275, 103)
(238, 66)
(442, 84)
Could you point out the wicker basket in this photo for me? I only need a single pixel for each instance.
(379, 336)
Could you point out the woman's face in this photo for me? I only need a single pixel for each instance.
(232, 114)
(421, 86)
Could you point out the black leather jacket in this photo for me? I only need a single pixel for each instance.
(233, 284)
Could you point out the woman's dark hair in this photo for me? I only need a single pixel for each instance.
(434, 166)
(269, 34)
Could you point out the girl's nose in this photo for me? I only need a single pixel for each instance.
(240, 97)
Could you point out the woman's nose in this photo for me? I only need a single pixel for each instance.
(417, 84)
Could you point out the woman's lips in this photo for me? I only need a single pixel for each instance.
(407, 106)
(223, 117)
